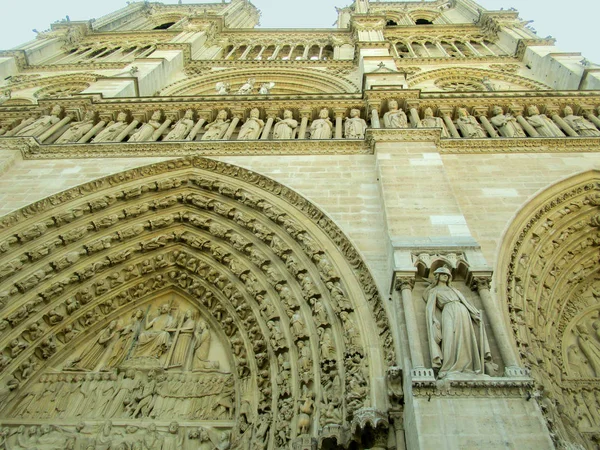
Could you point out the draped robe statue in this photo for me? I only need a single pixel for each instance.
(355, 127)
(77, 130)
(154, 340)
(394, 118)
(201, 346)
(430, 121)
(95, 352)
(321, 128)
(110, 133)
(582, 126)
(284, 128)
(217, 129)
(452, 338)
(145, 132)
(182, 127)
(543, 124)
(468, 125)
(42, 124)
(252, 127)
(506, 124)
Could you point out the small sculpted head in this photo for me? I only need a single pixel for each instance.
(156, 115)
(568, 111)
(56, 110)
(355, 113)
(189, 114)
(287, 114)
(173, 427)
(89, 115)
(222, 114)
(444, 275)
(254, 113)
(497, 111)
(462, 112)
(393, 105)
(428, 112)
(122, 117)
(533, 110)
(324, 113)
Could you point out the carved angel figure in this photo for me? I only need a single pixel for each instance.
(252, 127)
(453, 342)
(265, 88)
(247, 87)
(77, 130)
(284, 128)
(222, 88)
(42, 124)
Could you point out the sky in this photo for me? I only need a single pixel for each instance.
(570, 23)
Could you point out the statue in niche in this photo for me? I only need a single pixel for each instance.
(252, 127)
(222, 88)
(582, 126)
(183, 340)
(394, 118)
(112, 131)
(154, 339)
(468, 125)
(265, 88)
(321, 128)
(544, 125)
(284, 128)
(589, 347)
(42, 124)
(506, 124)
(452, 339)
(125, 339)
(94, 353)
(430, 121)
(202, 347)
(355, 127)
(77, 130)
(327, 344)
(145, 132)
(217, 129)
(182, 127)
(247, 87)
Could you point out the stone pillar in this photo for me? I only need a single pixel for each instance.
(339, 116)
(232, 126)
(446, 115)
(398, 423)
(482, 285)
(127, 131)
(304, 114)
(405, 284)
(517, 111)
(592, 118)
(86, 137)
(267, 129)
(375, 118)
(564, 125)
(194, 132)
(415, 120)
(54, 128)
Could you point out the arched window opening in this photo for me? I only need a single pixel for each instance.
(142, 50)
(268, 53)
(402, 50)
(433, 50)
(418, 49)
(252, 54)
(314, 52)
(423, 22)
(391, 23)
(284, 53)
(327, 53)
(298, 53)
(96, 53)
(464, 49)
(239, 52)
(164, 26)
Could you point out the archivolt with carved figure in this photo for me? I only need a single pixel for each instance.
(189, 290)
(550, 276)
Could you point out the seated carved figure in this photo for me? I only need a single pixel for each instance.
(581, 126)
(42, 124)
(113, 130)
(154, 339)
(544, 125)
(77, 130)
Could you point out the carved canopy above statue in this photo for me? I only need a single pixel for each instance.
(549, 272)
(189, 290)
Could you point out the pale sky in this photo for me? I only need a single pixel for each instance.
(570, 23)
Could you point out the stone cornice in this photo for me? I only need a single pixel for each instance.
(488, 387)
(433, 31)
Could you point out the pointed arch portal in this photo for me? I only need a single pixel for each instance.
(189, 291)
(549, 268)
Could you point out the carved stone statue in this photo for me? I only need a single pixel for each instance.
(265, 88)
(355, 127)
(95, 352)
(182, 127)
(582, 126)
(42, 124)
(222, 88)
(185, 334)
(394, 118)
(110, 133)
(252, 127)
(77, 130)
(125, 339)
(321, 128)
(589, 347)
(217, 129)
(154, 340)
(430, 121)
(468, 125)
(452, 339)
(145, 132)
(542, 123)
(284, 128)
(247, 87)
(201, 347)
(506, 124)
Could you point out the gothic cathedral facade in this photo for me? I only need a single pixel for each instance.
(383, 235)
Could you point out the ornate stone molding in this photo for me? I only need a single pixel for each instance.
(492, 387)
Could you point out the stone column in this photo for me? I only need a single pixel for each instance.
(127, 130)
(447, 116)
(267, 129)
(415, 120)
(482, 285)
(405, 284)
(398, 423)
(564, 125)
(339, 116)
(86, 137)
(304, 114)
(232, 126)
(517, 111)
(592, 118)
(54, 128)
(194, 131)
(375, 117)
